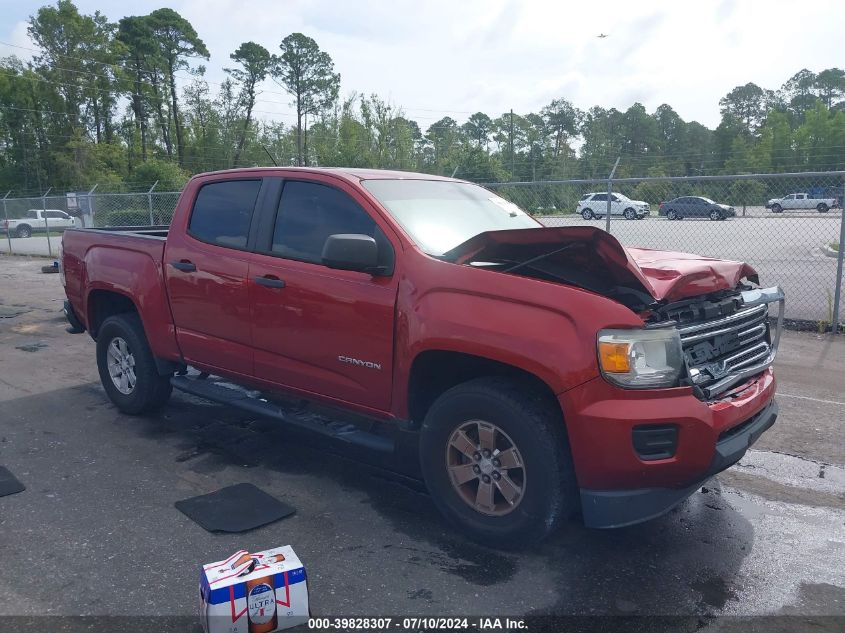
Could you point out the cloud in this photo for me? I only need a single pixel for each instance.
(442, 57)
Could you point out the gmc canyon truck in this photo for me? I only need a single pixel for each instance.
(528, 373)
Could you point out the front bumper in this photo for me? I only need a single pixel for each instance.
(618, 508)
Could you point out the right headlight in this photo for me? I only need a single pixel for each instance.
(641, 359)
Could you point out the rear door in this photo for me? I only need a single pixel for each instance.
(314, 329)
(598, 204)
(206, 263)
(57, 219)
(693, 207)
(803, 201)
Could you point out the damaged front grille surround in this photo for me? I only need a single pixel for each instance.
(721, 352)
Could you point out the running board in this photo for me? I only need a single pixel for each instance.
(218, 390)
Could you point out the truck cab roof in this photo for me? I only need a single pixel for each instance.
(352, 174)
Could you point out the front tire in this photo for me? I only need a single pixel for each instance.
(822, 208)
(776, 208)
(496, 460)
(127, 368)
(715, 215)
(24, 231)
(630, 214)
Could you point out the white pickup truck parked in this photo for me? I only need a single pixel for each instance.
(801, 201)
(37, 220)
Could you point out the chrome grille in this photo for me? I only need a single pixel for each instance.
(721, 352)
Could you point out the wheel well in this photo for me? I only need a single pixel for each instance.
(434, 372)
(104, 303)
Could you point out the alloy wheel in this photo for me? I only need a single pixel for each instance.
(121, 364)
(485, 468)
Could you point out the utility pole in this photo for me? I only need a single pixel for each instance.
(512, 154)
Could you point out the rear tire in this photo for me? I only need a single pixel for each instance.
(24, 230)
(587, 214)
(503, 414)
(672, 214)
(127, 368)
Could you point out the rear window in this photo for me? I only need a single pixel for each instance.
(223, 212)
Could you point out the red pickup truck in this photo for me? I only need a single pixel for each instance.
(535, 372)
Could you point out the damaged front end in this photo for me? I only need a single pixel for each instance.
(727, 333)
(725, 339)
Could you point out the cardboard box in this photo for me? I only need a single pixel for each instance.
(254, 593)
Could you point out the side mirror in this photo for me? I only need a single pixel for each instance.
(351, 251)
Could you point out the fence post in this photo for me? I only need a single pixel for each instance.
(46, 225)
(88, 197)
(6, 217)
(610, 193)
(837, 293)
(150, 201)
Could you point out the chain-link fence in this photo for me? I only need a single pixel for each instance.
(788, 226)
(33, 226)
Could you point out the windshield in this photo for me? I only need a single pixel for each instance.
(440, 214)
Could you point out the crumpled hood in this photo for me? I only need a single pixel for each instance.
(662, 274)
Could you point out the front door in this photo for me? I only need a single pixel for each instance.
(206, 265)
(314, 329)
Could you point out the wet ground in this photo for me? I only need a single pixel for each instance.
(97, 521)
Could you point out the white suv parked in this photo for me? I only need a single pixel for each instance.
(594, 205)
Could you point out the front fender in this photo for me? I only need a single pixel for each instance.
(551, 334)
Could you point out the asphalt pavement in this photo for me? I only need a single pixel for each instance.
(96, 533)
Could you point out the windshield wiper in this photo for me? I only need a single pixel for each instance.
(539, 257)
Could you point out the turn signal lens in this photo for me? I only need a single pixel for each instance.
(615, 357)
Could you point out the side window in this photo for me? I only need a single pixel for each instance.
(615, 198)
(790, 197)
(309, 212)
(223, 211)
(55, 214)
(32, 214)
(600, 197)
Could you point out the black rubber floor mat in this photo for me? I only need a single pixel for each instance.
(235, 508)
(8, 484)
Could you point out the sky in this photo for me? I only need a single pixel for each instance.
(436, 58)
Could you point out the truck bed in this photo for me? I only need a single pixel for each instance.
(150, 231)
(127, 260)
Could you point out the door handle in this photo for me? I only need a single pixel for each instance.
(184, 266)
(270, 282)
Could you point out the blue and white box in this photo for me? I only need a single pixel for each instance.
(256, 592)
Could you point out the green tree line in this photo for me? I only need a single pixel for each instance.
(125, 104)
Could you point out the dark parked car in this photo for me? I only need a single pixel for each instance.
(695, 207)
